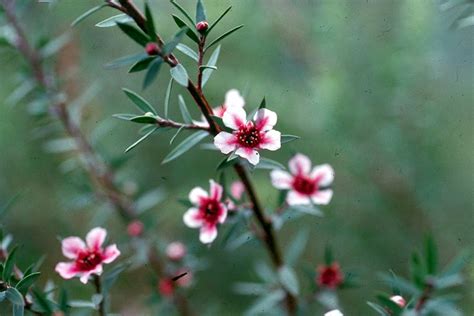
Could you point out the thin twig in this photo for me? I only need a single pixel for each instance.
(98, 290)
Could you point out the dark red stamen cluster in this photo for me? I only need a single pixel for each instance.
(330, 276)
(248, 136)
(304, 185)
(88, 260)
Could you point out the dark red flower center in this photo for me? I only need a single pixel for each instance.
(305, 185)
(210, 210)
(88, 260)
(330, 276)
(248, 136)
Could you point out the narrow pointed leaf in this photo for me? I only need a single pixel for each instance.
(140, 102)
(180, 74)
(184, 110)
(269, 164)
(14, 296)
(190, 32)
(200, 12)
(26, 282)
(87, 13)
(297, 247)
(218, 20)
(183, 11)
(144, 119)
(113, 20)
(126, 60)
(9, 264)
(185, 145)
(176, 134)
(152, 72)
(206, 73)
(208, 67)
(187, 51)
(124, 116)
(170, 46)
(134, 34)
(263, 104)
(288, 279)
(220, 38)
(135, 144)
(288, 138)
(150, 24)
(431, 256)
(141, 64)
(167, 97)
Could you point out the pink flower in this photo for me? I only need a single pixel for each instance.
(232, 98)
(135, 228)
(304, 185)
(248, 137)
(88, 257)
(399, 300)
(176, 251)
(237, 189)
(330, 276)
(208, 211)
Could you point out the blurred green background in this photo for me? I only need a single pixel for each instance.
(381, 90)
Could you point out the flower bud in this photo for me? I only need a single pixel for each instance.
(149, 114)
(237, 189)
(152, 48)
(186, 279)
(400, 301)
(166, 287)
(330, 276)
(176, 251)
(202, 26)
(135, 228)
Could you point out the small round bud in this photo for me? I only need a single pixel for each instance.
(176, 251)
(202, 26)
(330, 276)
(149, 114)
(166, 287)
(186, 279)
(397, 299)
(135, 228)
(152, 49)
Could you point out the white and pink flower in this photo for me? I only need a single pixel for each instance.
(248, 137)
(232, 98)
(399, 300)
(176, 251)
(305, 185)
(208, 211)
(87, 257)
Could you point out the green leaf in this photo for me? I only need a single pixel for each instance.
(417, 271)
(403, 285)
(218, 19)
(53, 46)
(227, 162)
(269, 164)
(208, 67)
(187, 51)
(263, 104)
(125, 61)
(113, 20)
(185, 145)
(135, 144)
(391, 305)
(206, 73)
(18, 310)
(14, 296)
(9, 264)
(296, 248)
(124, 116)
(134, 33)
(87, 13)
(140, 102)
(288, 280)
(220, 38)
(307, 209)
(266, 303)
(170, 46)
(26, 282)
(63, 301)
(152, 72)
(42, 301)
(183, 11)
(3, 295)
(288, 138)
(167, 97)
(180, 75)
(191, 33)
(111, 276)
(149, 199)
(144, 119)
(176, 134)
(431, 256)
(200, 12)
(457, 264)
(379, 309)
(141, 64)
(184, 110)
(150, 24)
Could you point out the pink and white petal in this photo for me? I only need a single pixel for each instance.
(295, 198)
(324, 174)
(196, 195)
(66, 270)
(271, 140)
(234, 117)
(322, 197)
(85, 277)
(95, 238)
(215, 190)
(265, 119)
(72, 246)
(192, 219)
(219, 111)
(225, 142)
(233, 98)
(223, 215)
(300, 164)
(281, 180)
(208, 233)
(110, 254)
(250, 154)
(237, 189)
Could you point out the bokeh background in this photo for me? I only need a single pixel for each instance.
(381, 90)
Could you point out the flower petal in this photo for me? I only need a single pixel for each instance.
(66, 270)
(233, 98)
(234, 117)
(110, 254)
(271, 140)
(299, 164)
(72, 246)
(196, 195)
(334, 312)
(95, 238)
(324, 173)
(322, 197)
(222, 215)
(250, 154)
(265, 119)
(215, 190)
(237, 189)
(295, 198)
(208, 233)
(85, 275)
(225, 142)
(192, 219)
(281, 180)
